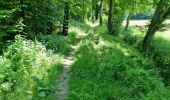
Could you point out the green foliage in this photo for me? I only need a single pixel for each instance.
(158, 51)
(32, 17)
(118, 18)
(161, 56)
(81, 26)
(24, 67)
(110, 68)
(113, 70)
(130, 38)
(58, 43)
(10, 21)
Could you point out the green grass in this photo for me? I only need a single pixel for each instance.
(81, 26)
(45, 90)
(158, 51)
(161, 55)
(114, 70)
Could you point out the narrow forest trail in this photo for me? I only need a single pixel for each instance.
(64, 77)
(63, 86)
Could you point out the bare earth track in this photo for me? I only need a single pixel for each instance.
(64, 77)
(63, 86)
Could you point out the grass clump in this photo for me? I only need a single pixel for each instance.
(161, 55)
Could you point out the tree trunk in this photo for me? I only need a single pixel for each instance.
(127, 22)
(93, 11)
(97, 11)
(110, 23)
(101, 12)
(22, 14)
(66, 19)
(156, 22)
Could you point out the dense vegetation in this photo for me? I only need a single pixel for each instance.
(113, 59)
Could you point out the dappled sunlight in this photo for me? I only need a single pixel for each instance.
(48, 58)
(78, 31)
(141, 22)
(137, 22)
(112, 62)
(84, 50)
(165, 34)
(92, 24)
(112, 44)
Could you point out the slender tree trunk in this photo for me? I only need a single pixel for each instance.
(66, 19)
(22, 8)
(101, 12)
(156, 22)
(93, 11)
(110, 16)
(127, 22)
(22, 13)
(97, 11)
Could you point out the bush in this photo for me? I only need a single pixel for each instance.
(56, 43)
(23, 67)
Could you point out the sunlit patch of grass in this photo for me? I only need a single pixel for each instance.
(112, 69)
(158, 51)
(133, 23)
(164, 34)
(137, 23)
(79, 32)
(92, 24)
(81, 26)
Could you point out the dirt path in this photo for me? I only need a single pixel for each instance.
(64, 77)
(62, 89)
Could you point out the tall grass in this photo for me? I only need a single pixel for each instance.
(113, 70)
(158, 51)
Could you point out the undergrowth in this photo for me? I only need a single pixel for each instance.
(27, 71)
(58, 43)
(158, 50)
(114, 70)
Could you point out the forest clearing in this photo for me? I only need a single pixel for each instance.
(84, 49)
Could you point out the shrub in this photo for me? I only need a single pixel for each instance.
(22, 63)
(56, 43)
